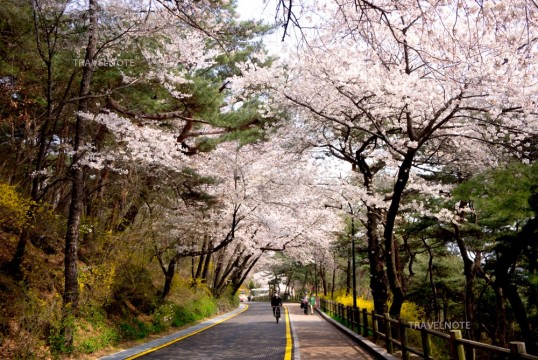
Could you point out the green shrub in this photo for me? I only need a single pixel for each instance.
(133, 330)
(179, 315)
(205, 307)
(183, 315)
(104, 337)
(133, 285)
(163, 317)
(93, 331)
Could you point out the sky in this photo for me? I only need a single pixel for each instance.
(265, 9)
(257, 9)
(261, 10)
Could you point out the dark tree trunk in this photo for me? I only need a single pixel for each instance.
(169, 273)
(500, 319)
(518, 307)
(218, 270)
(237, 284)
(13, 267)
(391, 251)
(323, 280)
(470, 277)
(129, 217)
(378, 280)
(348, 276)
(376, 255)
(71, 293)
(436, 307)
(201, 260)
(510, 251)
(333, 283)
(235, 279)
(207, 262)
(305, 280)
(223, 281)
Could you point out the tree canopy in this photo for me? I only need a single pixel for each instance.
(162, 141)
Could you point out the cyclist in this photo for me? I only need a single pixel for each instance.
(275, 301)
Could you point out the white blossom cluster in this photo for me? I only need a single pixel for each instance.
(145, 145)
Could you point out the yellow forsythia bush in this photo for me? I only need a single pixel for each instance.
(13, 208)
(347, 300)
(410, 311)
(96, 282)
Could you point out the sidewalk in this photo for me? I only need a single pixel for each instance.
(316, 338)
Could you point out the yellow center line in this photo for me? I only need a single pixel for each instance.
(289, 344)
(185, 336)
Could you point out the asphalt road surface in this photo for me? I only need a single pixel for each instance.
(253, 334)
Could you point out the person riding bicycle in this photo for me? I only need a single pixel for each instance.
(275, 301)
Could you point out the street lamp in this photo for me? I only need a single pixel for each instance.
(353, 262)
(315, 277)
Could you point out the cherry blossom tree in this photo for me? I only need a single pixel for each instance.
(123, 51)
(404, 89)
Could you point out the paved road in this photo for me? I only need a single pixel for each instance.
(253, 334)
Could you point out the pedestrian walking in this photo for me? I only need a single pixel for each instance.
(305, 304)
(312, 302)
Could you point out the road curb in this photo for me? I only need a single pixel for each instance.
(377, 351)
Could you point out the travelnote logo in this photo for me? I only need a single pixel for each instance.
(441, 325)
(105, 62)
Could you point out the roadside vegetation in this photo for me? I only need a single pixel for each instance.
(120, 299)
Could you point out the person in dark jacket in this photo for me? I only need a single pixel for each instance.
(304, 301)
(275, 301)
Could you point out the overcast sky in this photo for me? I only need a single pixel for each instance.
(265, 10)
(256, 9)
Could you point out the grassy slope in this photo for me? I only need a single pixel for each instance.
(30, 309)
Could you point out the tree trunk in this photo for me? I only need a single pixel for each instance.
(500, 319)
(168, 277)
(511, 249)
(470, 276)
(520, 313)
(13, 267)
(378, 279)
(222, 282)
(436, 307)
(71, 293)
(348, 276)
(235, 278)
(218, 269)
(391, 255)
(201, 260)
(207, 262)
(305, 280)
(322, 277)
(333, 283)
(237, 284)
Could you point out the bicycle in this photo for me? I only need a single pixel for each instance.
(276, 312)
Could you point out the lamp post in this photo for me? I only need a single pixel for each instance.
(315, 277)
(354, 279)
